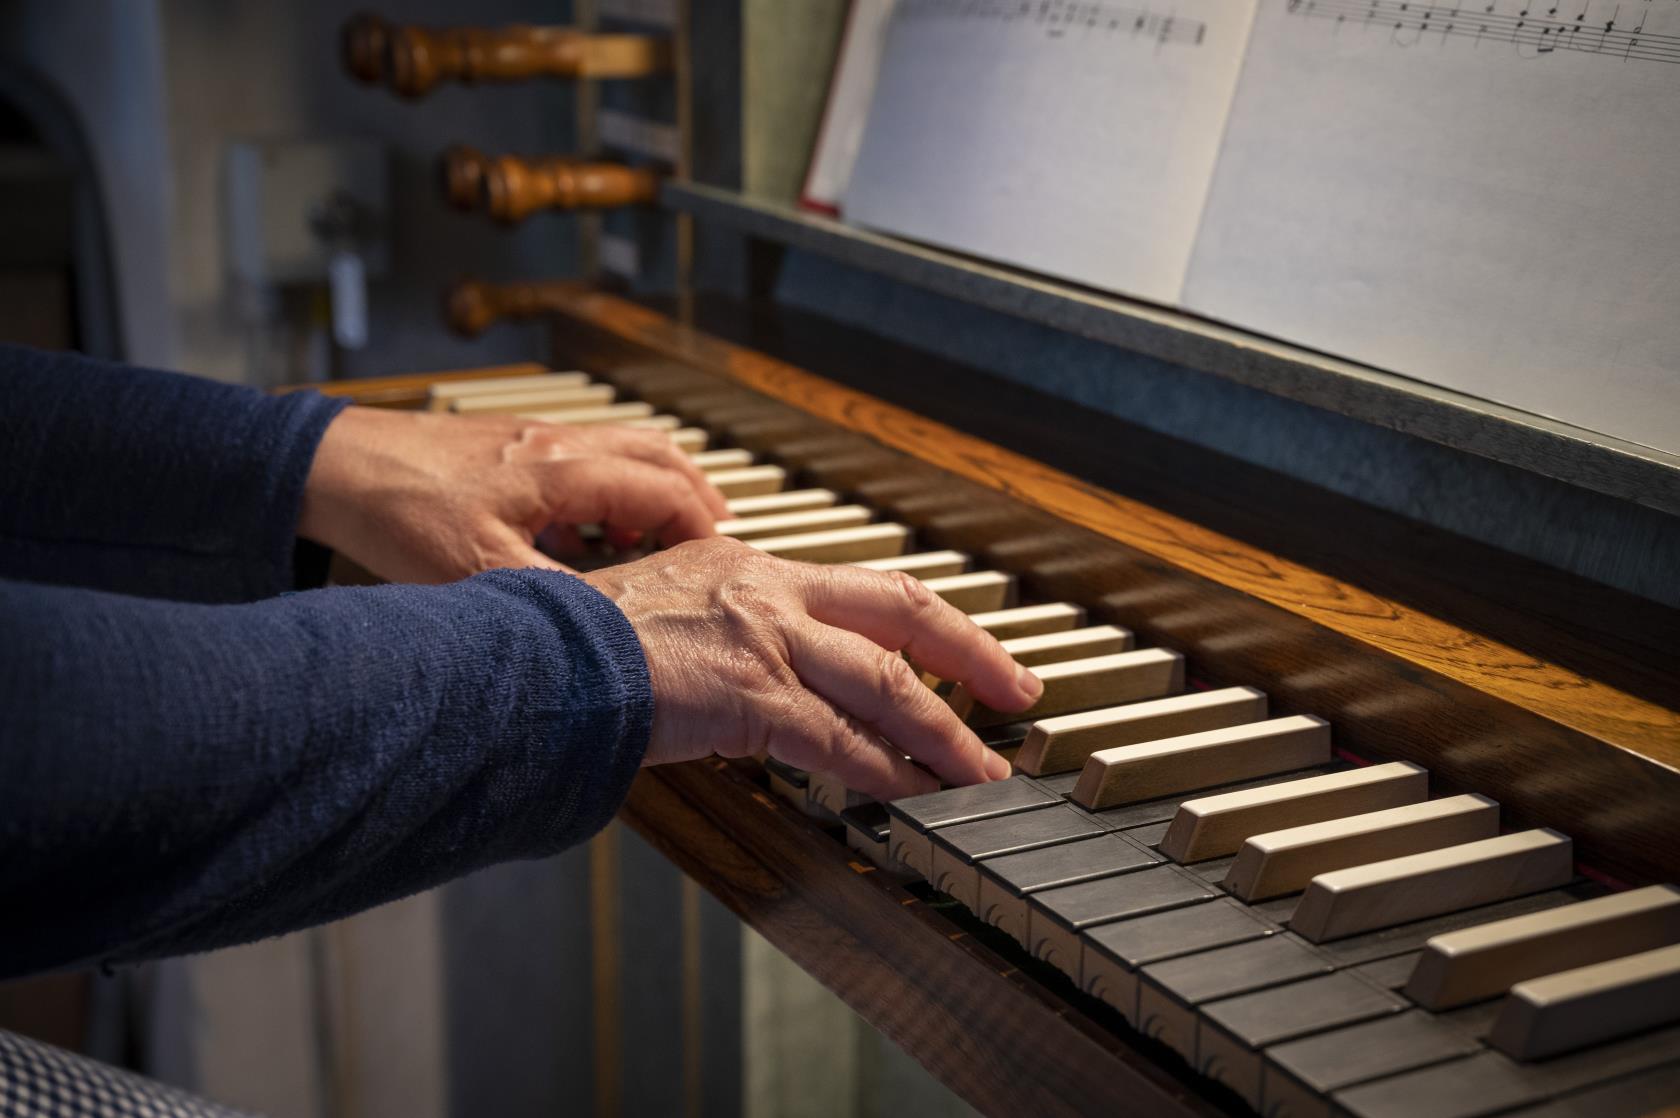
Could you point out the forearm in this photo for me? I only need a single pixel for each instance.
(185, 777)
(147, 482)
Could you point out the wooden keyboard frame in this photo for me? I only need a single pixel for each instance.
(1554, 745)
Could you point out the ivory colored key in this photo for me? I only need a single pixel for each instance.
(1152, 769)
(1279, 862)
(838, 545)
(1024, 621)
(689, 438)
(442, 393)
(1462, 967)
(922, 564)
(749, 481)
(1214, 826)
(1380, 894)
(1074, 644)
(730, 458)
(666, 423)
(544, 399)
(1062, 744)
(1545, 1017)
(976, 591)
(790, 500)
(607, 413)
(1075, 684)
(788, 523)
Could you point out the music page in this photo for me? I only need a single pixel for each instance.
(1071, 138)
(1483, 195)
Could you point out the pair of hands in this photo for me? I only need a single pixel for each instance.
(746, 653)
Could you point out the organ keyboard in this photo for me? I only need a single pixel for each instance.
(1252, 856)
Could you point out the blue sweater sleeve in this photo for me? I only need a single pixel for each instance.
(147, 482)
(178, 777)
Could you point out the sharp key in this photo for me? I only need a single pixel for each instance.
(1213, 826)
(538, 399)
(1062, 744)
(1025, 621)
(1073, 644)
(791, 500)
(790, 523)
(729, 458)
(667, 423)
(1462, 967)
(976, 591)
(1153, 769)
(838, 545)
(607, 413)
(443, 393)
(1270, 865)
(690, 439)
(749, 481)
(1077, 684)
(922, 564)
(1574, 1009)
(1379, 894)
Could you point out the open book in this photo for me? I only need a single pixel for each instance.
(1481, 194)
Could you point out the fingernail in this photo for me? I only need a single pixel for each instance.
(1031, 686)
(996, 767)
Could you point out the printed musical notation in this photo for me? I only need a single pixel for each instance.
(1536, 28)
(1058, 19)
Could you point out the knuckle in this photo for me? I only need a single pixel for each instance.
(897, 687)
(920, 602)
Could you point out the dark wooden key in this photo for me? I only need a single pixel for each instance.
(1111, 954)
(1233, 1033)
(1057, 917)
(866, 833)
(1491, 1082)
(914, 818)
(1299, 1076)
(958, 850)
(1170, 993)
(1006, 882)
(1645, 1093)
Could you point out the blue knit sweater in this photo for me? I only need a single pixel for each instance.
(191, 756)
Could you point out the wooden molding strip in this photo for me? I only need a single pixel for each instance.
(1562, 696)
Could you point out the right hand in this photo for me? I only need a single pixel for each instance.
(749, 653)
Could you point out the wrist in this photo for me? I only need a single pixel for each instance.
(335, 477)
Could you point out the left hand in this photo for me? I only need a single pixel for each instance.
(423, 497)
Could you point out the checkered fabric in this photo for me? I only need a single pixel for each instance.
(40, 1081)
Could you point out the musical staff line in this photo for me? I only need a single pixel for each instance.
(1059, 19)
(1533, 35)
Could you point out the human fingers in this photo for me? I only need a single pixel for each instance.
(656, 448)
(899, 613)
(810, 733)
(625, 494)
(881, 690)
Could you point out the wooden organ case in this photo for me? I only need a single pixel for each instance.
(1324, 812)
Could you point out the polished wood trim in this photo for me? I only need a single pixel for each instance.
(1003, 1041)
(1431, 643)
(403, 390)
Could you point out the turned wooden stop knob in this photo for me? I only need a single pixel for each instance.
(461, 169)
(365, 40)
(515, 188)
(415, 60)
(472, 306)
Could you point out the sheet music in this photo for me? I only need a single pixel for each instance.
(1483, 195)
(849, 94)
(1072, 138)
